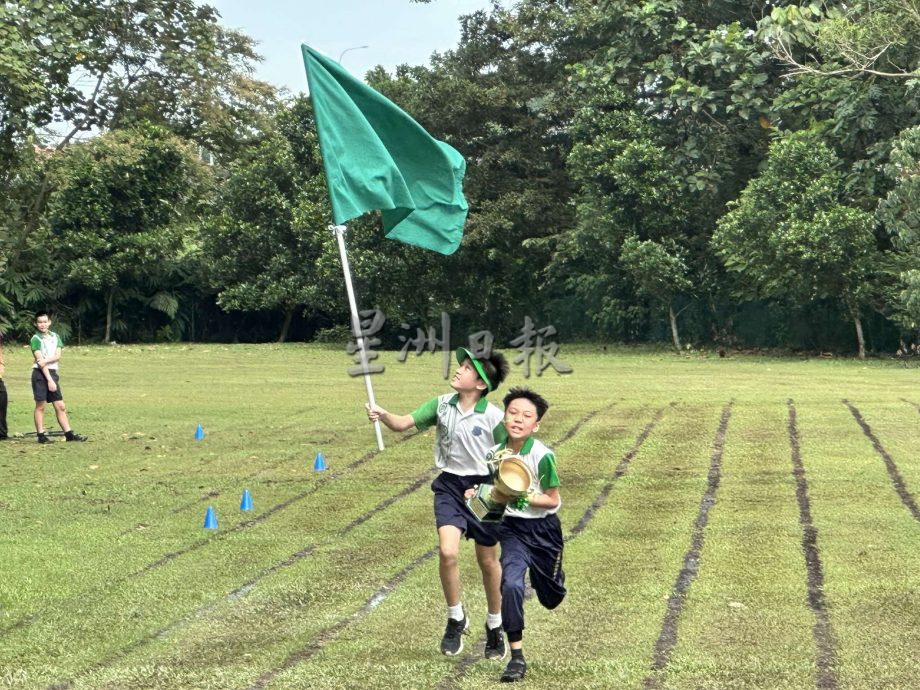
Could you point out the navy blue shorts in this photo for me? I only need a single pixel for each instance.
(450, 507)
(533, 545)
(40, 386)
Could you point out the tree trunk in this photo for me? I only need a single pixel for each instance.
(108, 316)
(286, 326)
(859, 335)
(674, 334)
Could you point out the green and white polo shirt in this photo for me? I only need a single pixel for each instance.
(48, 344)
(463, 438)
(542, 464)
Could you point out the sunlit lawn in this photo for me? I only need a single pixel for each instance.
(108, 579)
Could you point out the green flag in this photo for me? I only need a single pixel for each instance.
(377, 157)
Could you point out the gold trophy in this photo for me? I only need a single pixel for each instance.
(512, 478)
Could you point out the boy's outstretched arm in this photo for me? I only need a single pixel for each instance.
(394, 422)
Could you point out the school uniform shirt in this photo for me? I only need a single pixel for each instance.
(462, 439)
(48, 344)
(542, 464)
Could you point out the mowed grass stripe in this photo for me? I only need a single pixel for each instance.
(69, 563)
(399, 640)
(319, 484)
(477, 648)
(247, 479)
(378, 597)
(247, 587)
(897, 427)
(913, 404)
(620, 470)
(826, 677)
(603, 633)
(241, 557)
(240, 638)
(745, 622)
(667, 638)
(896, 479)
(329, 634)
(134, 610)
(869, 551)
(101, 588)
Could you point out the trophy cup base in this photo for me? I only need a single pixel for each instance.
(483, 507)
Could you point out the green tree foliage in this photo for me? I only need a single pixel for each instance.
(659, 271)
(98, 65)
(900, 213)
(118, 211)
(833, 90)
(672, 111)
(791, 236)
(267, 247)
(861, 38)
(25, 271)
(628, 190)
(627, 163)
(494, 98)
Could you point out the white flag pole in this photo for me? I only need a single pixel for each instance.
(339, 232)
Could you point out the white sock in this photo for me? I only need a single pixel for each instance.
(455, 612)
(494, 620)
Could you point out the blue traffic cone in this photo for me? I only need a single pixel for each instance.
(320, 463)
(199, 433)
(246, 503)
(210, 519)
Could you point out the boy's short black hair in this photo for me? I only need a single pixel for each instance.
(538, 400)
(491, 370)
(41, 313)
(495, 366)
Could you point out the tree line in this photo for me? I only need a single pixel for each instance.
(731, 173)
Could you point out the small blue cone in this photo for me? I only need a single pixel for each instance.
(320, 463)
(210, 519)
(246, 503)
(199, 433)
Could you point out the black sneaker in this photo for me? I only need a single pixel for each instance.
(495, 643)
(452, 642)
(76, 437)
(515, 670)
(44, 439)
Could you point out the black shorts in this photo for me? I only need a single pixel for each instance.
(450, 507)
(40, 387)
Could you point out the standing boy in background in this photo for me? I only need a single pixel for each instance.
(467, 426)
(46, 348)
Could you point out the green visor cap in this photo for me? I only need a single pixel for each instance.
(462, 354)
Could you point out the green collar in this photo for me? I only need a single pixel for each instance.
(525, 449)
(480, 405)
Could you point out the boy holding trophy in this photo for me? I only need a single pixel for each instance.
(467, 426)
(527, 487)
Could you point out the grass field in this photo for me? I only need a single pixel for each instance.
(746, 522)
